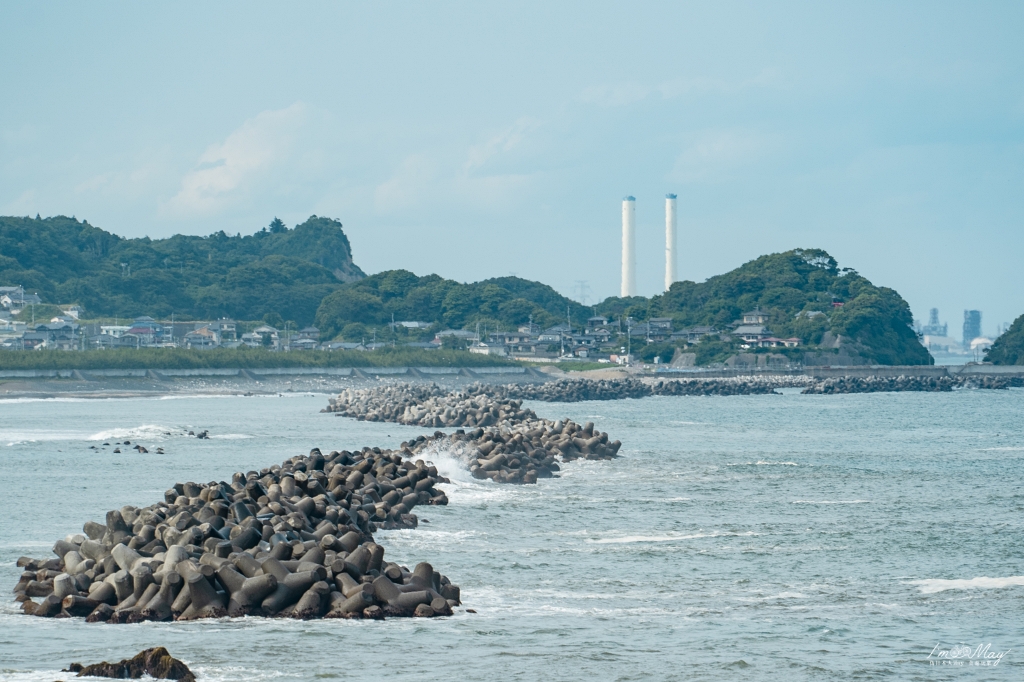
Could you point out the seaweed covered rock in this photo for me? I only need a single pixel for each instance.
(156, 663)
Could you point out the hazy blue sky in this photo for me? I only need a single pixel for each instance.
(479, 139)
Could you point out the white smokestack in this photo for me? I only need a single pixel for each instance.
(670, 240)
(628, 247)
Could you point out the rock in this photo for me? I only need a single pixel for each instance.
(156, 663)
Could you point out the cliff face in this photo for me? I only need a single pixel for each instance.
(281, 270)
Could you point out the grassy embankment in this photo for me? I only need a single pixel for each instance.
(241, 358)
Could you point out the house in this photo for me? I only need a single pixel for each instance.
(33, 340)
(597, 321)
(74, 311)
(309, 333)
(15, 299)
(752, 333)
(103, 341)
(773, 342)
(693, 334)
(303, 343)
(225, 328)
(650, 331)
(147, 330)
(488, 348)
(755, 316)
(555, 334)
(202, 338)
(268, 336)
(412, 324)
(663, 323)
(342, 345)
(129, 340)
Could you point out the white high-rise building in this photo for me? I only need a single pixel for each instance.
(670, 240)
(628, 247)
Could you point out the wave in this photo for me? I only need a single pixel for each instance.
(629, 539)
(830, 501)
(762, 462)
(232, 436)
(146, 431)
(933, 585)
(1007, 448)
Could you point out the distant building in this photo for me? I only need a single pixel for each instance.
(933, 328)
(755, 316)
(488, 348)
(202, 338)
(752, 333)
(225, 328)
(693, 334)
(972, 326)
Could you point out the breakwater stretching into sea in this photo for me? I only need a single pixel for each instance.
(295, 540)
(796, 537)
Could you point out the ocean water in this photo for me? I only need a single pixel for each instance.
(781, 537)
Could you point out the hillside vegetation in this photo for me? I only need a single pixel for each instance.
(504, 301)
(279, 270)
(790, 288)
(1008, 348)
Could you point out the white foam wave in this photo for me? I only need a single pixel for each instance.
(629, 539)
(933, 585)
(1008, 448)
(146, 431)
(830, 501)
(762, 462)
(231, 436)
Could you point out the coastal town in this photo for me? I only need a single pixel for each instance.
(597, 338)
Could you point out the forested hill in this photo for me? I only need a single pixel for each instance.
(871, 322)
(1009, 347)
(287, 271)
(804, 294)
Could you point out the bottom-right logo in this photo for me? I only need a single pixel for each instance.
(966, 655)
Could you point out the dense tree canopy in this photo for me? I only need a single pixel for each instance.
(287, 271)
(1009, 348)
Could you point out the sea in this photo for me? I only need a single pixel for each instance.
(773, 537)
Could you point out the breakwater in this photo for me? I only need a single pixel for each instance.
(873, 384)
(509, 444)
(293, 540)
(578, 390)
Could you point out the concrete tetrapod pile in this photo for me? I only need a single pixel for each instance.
(577, 390)
(904, 383)
(427, 405)
(518, 447)
(293, 540)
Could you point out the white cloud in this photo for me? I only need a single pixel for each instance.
(411, 184)
(615, 95)
(226, 171)
(714, 153)
(482, 177)
(502, 143)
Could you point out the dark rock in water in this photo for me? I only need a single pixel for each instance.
(154, 662)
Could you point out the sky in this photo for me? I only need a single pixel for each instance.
(477, 140)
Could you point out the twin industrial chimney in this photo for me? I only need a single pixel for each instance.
(629, 244)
